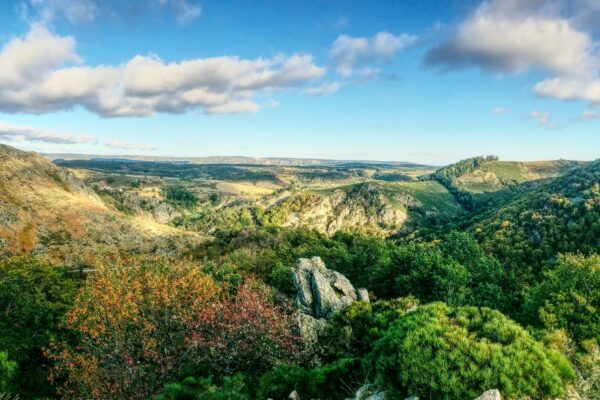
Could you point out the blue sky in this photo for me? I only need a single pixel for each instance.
(415, 80)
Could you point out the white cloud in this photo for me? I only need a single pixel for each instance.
(118, 144)
(513, 36)
(509, 36)
(16, 133)
(501, 111)
(21, 133)
(324, 90)
(543, 119)
(589, 116)
(86, 11)
(570, 89)
(42, 73)
(349, 52)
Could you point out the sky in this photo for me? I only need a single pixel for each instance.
(413, 80)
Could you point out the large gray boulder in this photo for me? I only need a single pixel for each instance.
(493, 394)
(323, 292)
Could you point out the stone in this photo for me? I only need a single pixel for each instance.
(294, 396)
(322, 292)
(493, 394)
(310, 328)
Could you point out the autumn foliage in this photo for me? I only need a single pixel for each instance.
(139, 326)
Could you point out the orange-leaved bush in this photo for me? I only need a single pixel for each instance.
(247, 333)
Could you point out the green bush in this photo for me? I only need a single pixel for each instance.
(456, 353)
(233, 388)
(337, 380)
(7, 371)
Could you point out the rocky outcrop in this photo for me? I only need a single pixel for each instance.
(493, 394)
(321, 291)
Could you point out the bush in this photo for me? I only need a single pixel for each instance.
(7, 371)
(233, 388)
(34, 297)
(456, 353)
(245, 333)
(337, 380)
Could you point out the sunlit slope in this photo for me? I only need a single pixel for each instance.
(45, 209)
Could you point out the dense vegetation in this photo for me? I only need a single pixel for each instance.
(505, 297)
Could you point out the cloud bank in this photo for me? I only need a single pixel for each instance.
(20, 133)
(41, 73)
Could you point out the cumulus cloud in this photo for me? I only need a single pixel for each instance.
(501, 111)
(16, 133)
(570, 89)
(543, 119)
(513, 36)
(324, 90)
(85, 11)
(42, 73)
(349, 52)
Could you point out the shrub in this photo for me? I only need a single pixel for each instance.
(34, 297)
(450, 353)
(245, 333)
(7, 371)
(233, 388)
(337, 380)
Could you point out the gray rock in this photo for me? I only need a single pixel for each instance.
(294, 396)
(310, 328)
(323, 292)
(369, 392)
(493, 394)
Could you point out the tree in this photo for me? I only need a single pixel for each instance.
(569, 297)
(456, 353)
(139, 326)
(34, 297)
(131, 328)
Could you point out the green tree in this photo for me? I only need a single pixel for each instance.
(569, 297)
(34, 298)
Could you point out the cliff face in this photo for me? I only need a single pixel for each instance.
(45, 209)
(362, 208)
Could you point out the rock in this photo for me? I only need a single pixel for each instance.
(310, 328)
(294, 396)
(493, 394)
(323, 292)
(363, 295)
(369, 392)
